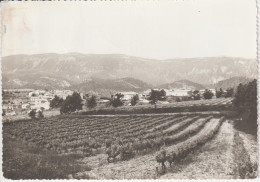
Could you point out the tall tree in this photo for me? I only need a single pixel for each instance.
(72, 103)
(245, 100)
(156, 95)
(134, 100)
(116, 100)
(91, 102)
(56, 102)
(196, 95)
(219, 93)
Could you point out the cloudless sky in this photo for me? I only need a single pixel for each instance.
(150, 29)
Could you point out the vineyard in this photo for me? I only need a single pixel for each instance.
(167, 139)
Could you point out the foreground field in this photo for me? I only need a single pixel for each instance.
(127, 147)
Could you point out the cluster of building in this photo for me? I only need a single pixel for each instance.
(18, 100)
(169, 93)
(15, 100)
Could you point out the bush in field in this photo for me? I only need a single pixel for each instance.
(156, 95)
(116, 100)
(3, 112)
(196, 95)
(229, 92)
(207, 94)
(134, 100)
(40, 115)
(91, 102)
(245, 101)
(219, 93)
(32, 114)
(71, 104)
(178, 99)
(56, 102)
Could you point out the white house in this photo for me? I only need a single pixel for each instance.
(63, 93)
(40, 102)
(146, 93)
(127, 95)
(178, 92)
(25, 106)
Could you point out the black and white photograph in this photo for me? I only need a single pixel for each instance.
(129, 90)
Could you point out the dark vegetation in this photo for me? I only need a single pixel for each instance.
(157, 95)
(71, 104)
(208, 94)
(91, 102)
(31, 162)
(56, 102)
(245, 103)
(134, 100)
(116, 101)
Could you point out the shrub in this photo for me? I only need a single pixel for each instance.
(207, 94)
(32, 114)
(134, 100)
(219, 93)
(91, 102)
(229, 92)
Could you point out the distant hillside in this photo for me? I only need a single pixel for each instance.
(106, 87)
(75, 68)
(34, 81)
(182, 84)
(231, 82)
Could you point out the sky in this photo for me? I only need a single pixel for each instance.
(149, 29)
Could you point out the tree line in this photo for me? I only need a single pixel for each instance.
(243, 99)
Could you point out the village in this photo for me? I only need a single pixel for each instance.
(21, 101)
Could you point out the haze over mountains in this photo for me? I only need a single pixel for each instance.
(119, 72)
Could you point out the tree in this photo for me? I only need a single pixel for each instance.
(229, 93)
(196, 95)
(32, 114)
(134, 100)
(239, 99)
(156, 95)
(245, 100)
(91, 102)
(72, 103)
(116, 100)
(207, 94)
(56, 102)
(3, 112)
(219, 93)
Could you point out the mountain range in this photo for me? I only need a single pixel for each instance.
(93, 72)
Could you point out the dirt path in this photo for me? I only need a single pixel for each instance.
(213, 161)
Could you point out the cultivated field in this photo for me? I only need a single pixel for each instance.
(129, 146)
